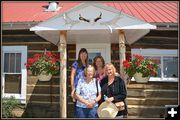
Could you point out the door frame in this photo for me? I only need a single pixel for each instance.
(104, 48)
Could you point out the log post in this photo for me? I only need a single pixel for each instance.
(62, 48)
(122, 52)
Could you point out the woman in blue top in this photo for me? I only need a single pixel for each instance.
(77, 70)
(88, 93)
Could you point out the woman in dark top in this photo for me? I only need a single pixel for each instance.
(113, 88)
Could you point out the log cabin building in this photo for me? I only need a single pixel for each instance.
(122, 29)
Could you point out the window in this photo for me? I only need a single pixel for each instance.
(167, 61)
(92, 55)
(14, 75)
(170, 68)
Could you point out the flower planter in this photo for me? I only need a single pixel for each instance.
(138, 65)
(47, 62)
(139, 79)
(44, 77)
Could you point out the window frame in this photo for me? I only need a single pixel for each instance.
(158, 53)
(16, 49)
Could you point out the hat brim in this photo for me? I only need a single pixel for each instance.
(107, 110)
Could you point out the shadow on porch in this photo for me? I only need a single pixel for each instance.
(42, 98)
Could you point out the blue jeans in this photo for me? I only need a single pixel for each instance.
(86, 112)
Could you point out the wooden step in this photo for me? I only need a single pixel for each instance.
(152, 101)
(146, 116)
(70, 110)
(152, 93)
(158, 85)
(145, 100)
(44, 105)
(153, 85)
(34, 81)
(140, 110)
(148, 101)
(164, 93)
(43, 97)
(43, 89)
(41, 110)
(41, 114)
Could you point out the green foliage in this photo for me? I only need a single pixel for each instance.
(8, 104)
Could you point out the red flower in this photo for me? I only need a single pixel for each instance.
(152, 72)
(139, 57)
(132, 67)
(27, 65)
(37, 55)
(57, 57)
(126, 64)
(140, 65)
(53, 60)
(31, 60)
(48, 54)
(149, 66)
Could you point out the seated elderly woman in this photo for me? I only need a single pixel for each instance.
(113, 88)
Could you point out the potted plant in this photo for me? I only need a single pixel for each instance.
(8, 105)
(44, 65)
(140, 68)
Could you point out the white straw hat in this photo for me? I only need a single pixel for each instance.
(107, 110)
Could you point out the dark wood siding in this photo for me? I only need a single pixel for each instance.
(115, 55)
(161, 39)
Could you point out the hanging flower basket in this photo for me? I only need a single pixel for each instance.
(44, 65)
(140, 68)
(44, 77)
(139, 79)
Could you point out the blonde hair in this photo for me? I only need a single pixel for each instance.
(111, 66)
(85, 70)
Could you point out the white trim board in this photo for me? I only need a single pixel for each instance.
(162, 52)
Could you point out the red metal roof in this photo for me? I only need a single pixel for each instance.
(147, 11)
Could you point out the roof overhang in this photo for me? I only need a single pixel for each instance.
(110, 20)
